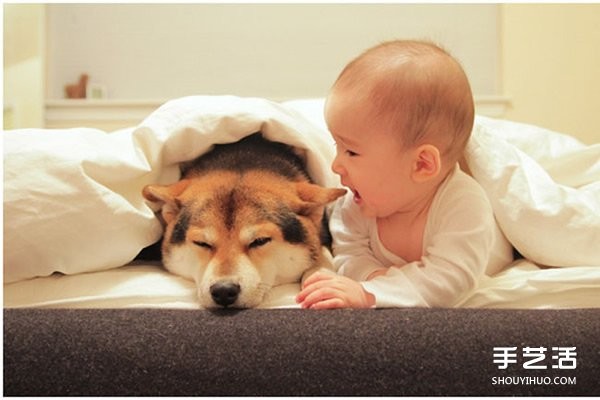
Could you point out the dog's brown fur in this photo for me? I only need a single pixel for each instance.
(244, 218)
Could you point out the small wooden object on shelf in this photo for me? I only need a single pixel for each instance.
(77, 90)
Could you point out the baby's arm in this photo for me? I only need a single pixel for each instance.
(355, 262)
(354, 256)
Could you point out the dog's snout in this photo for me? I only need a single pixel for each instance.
(225, 293)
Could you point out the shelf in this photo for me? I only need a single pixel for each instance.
(102, 114)
(112, 114)
(492, 106)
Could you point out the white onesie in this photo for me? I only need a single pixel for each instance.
(461, 242)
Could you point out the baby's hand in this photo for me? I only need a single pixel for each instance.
(324, 290)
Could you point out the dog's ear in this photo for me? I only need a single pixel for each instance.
(164, 193)
(314, 196)
(166, 197)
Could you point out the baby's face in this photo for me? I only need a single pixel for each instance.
(369, 158)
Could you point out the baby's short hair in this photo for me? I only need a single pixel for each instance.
(417, 87)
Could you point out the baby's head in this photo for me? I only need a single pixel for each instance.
(417, 90)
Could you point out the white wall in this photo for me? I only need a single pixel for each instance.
(277, 51)
(24, 68)
(551, 66)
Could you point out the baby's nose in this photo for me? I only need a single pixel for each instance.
(337, 167)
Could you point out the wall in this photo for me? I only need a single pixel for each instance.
(277, 51)
(551, 66)
(544, 57)
(24, 67)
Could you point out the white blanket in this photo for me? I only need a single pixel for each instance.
(72, 201)
(72, 198)
(544, 188)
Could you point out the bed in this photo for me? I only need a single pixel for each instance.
(89, 310)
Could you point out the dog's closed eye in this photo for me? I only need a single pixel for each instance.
(204, 245)
(258, 242)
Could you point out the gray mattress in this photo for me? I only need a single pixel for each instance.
(146, 352)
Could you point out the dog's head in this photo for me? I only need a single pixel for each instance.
(237, 235)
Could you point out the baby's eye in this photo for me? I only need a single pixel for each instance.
(341, 148)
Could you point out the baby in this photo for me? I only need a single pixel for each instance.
(414, 230)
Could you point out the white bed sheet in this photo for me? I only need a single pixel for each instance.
(544, 187)
(145, 285)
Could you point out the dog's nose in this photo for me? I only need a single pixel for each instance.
(225, 293)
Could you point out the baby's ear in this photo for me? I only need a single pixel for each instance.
(427, 163)
(165, 196)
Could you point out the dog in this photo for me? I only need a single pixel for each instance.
(244, 217)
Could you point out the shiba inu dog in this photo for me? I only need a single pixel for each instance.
(244, 217)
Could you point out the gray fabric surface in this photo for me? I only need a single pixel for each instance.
(290, 352)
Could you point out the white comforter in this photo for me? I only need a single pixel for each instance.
(72, 204)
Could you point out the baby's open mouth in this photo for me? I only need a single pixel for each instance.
(357, 197)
